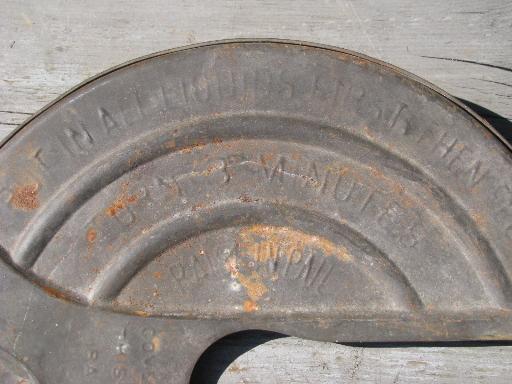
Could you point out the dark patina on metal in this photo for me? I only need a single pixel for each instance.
(242, 185)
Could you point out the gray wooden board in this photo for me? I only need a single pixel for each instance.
(463, 46)
(293, 360)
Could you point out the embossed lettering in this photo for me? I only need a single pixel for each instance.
(6, 194)
(79, 140)
(503, 194)
(197, 90)
(306, 267)
(174, 94)
(393, 218)
(324, 278)
(177, 271)
(122, 343)
(476, 173)
(312, 176)
(109, 123)
(37, 155)
(125, 216)
(457, 156)
(119, 372)
(398, 119)
(508, 231)
(286, 85)
(444, 145)
(367, 200)
(90, 366)
(277, 169)
(193, 266)
(347, 193)
(170, 184)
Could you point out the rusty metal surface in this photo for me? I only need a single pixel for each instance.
(246, 185)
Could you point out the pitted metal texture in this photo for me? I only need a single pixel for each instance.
(242, 185)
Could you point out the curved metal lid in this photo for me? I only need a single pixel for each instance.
(248, 185)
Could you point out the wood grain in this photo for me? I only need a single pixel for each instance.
(293, 360)
(465, 47)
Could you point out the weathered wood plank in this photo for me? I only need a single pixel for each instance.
(465, 47)
(292, 360)
(47, 47)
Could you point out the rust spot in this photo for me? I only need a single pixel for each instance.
(342, 171)
(231, 266)
(54, 292)
(134, 159)
(253, 283)
(376, 173)
(157, 275)
(171, 144)
(262, 242)
(479, 219)
(194, 145)
(120, 203)
(267, 158)
(245, 198)
(91, 235)
(197, 207)
(132, 199)
(156, 344)
(250, 306)
(368, 133)
(210, 170)
(142, 313)
(25, 197)
(121, 357)
(396, 187)
(487, 133)
(235, 368)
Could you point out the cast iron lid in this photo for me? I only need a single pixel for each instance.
(242, 185)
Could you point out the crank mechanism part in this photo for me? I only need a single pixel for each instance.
(243, 185)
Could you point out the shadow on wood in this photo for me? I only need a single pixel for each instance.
(502, 124)
(221, 354)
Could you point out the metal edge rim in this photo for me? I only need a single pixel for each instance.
(392, 67)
